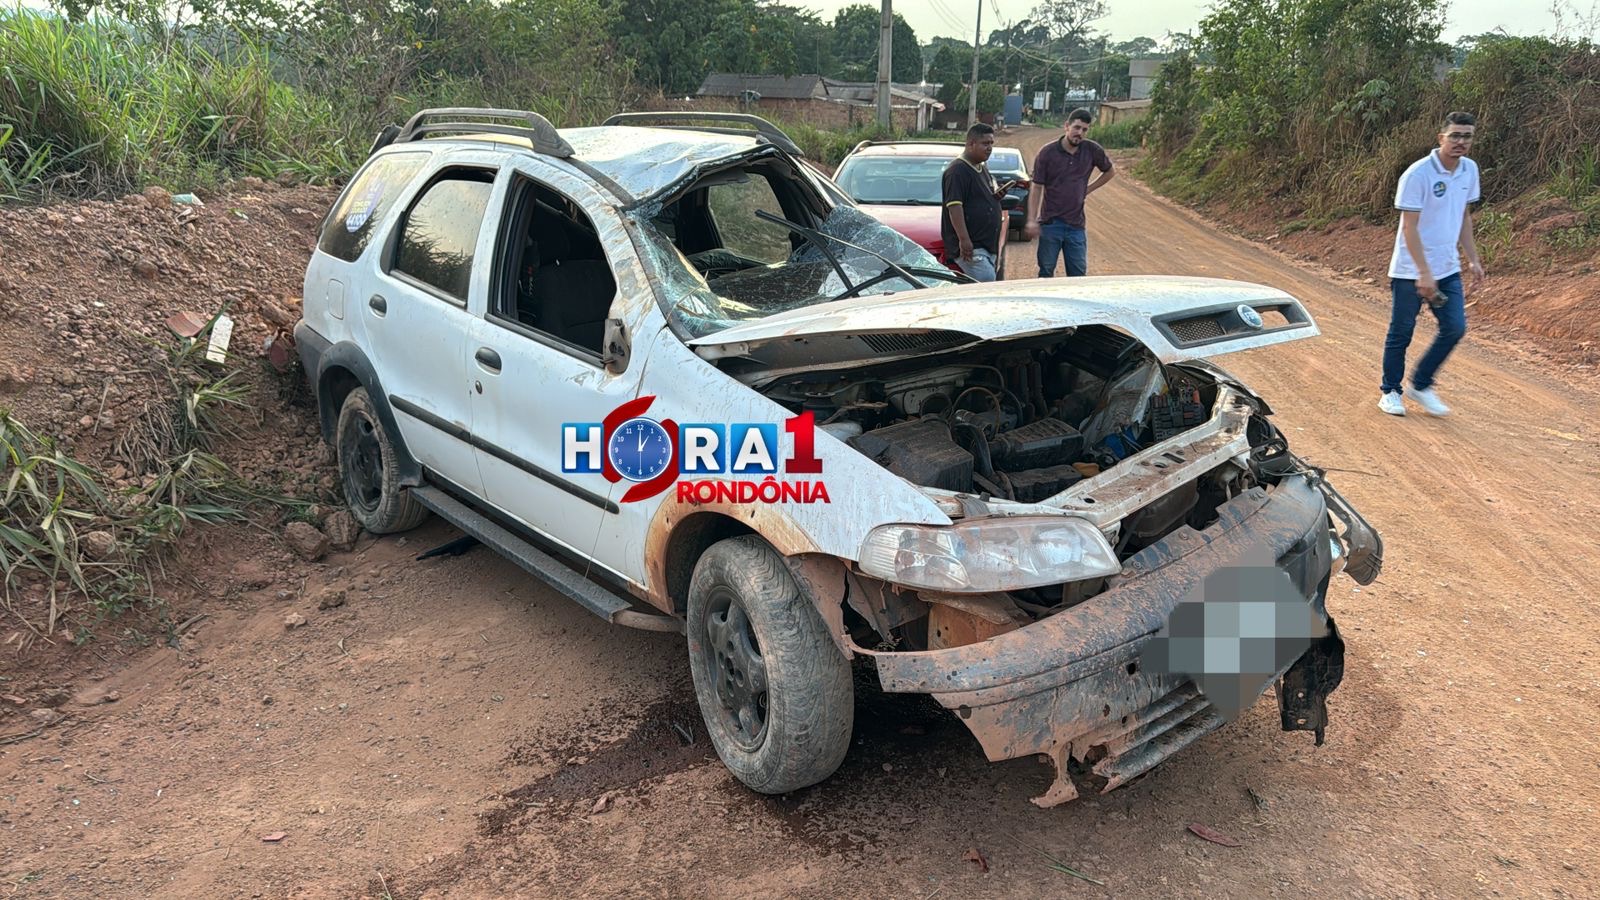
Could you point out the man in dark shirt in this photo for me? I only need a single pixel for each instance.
(1055, 201)
(970, 222)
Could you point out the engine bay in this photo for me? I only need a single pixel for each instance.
(1022, 424)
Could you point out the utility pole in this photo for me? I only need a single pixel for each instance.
(972, 91)
(885, 64)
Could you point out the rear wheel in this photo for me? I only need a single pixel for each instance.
(773, 688)
(369, 471)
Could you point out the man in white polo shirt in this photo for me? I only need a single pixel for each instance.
(1434, 199)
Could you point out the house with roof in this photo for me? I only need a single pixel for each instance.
(815, 100)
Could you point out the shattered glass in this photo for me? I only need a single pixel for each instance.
(699, 307)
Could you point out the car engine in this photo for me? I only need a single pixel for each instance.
(1020, 424)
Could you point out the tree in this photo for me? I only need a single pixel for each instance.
(1115, 76)
(670, 40)
(746, 38)
(812, 39)
(1068, 21)
(991, 98)
(855, 44)
(1138, 48)
(950, 68)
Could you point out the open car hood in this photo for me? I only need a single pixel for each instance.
(1176, 318)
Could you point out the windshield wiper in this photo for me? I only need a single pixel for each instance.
(819, 240)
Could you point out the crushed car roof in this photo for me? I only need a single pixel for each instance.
(642, 161)
(646, 161)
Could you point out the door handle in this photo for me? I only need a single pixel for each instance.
(488, 359)
(378, 304)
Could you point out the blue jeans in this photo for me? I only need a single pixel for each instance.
(981, 268)
(1452, 316)
(1057, 238)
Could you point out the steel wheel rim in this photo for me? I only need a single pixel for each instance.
(363, 476)
(738, 673)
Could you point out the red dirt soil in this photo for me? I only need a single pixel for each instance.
(455, 730)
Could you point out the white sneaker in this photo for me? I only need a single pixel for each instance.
(1429, 400)
(1391, 404)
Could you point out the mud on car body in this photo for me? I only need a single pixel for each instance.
(1024, 479)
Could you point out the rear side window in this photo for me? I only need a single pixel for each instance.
(366, 203)
(440, 233)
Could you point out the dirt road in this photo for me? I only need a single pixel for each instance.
(452, 730)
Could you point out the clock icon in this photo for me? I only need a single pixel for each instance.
(640, 449)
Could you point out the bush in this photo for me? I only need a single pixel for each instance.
(1120, 135)
(991, 98)
(1325, 102)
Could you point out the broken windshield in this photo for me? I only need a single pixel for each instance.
(716, 289)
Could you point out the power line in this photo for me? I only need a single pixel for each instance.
(950, 19)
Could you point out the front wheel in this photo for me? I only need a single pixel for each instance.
(369, 470)
(773, 688)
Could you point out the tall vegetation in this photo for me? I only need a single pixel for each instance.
(1324, 103)
(120, 93)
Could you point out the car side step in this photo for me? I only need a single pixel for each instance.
(552, 571)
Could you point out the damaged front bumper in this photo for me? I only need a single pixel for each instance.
(1071, 686)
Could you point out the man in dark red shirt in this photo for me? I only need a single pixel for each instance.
(1055, 200)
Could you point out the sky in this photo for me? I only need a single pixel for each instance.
(1153, 18)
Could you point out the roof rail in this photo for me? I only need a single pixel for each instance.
(679, 119)
(535, 128)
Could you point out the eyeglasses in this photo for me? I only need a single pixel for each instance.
(1458, 137)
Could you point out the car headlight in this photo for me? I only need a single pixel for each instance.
(988, 555)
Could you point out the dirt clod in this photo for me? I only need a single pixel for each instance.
(99, 545)
(306, 541)
(44, 716)
(342, 530)
(293, 621)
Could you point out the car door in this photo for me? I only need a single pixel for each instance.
(418, 322)
(535, 358)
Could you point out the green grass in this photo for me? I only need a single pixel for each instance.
(96, 108)
(1119, 135)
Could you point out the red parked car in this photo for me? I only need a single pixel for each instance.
(899, 184)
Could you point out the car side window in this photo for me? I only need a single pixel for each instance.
(365, 204)
(439, 234)
(733, 208)
(556, 279)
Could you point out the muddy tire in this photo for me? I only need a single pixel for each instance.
(773, 687)
(368, 470)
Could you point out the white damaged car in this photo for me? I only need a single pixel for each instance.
(677, 360)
